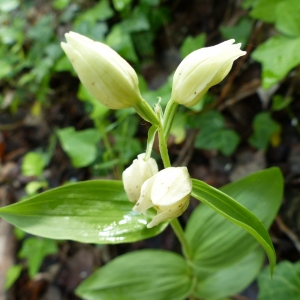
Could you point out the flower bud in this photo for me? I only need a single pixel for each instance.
(136, 174)
(202, 69)
(105, 74)
(168, 191)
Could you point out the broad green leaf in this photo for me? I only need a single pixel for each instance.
(80, 146)
(34, 250)
(264, 128)
(285, 283)
(191, 44)
(12, 275)
(231, 280)
(214, 241)
(146, 274)
(240, 32)
(278, 56)
(288, 17)
(266, 10)
(33, 164)
(95, 211)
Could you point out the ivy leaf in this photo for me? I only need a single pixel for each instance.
(264, 128)
(285, 283)
(278, 56)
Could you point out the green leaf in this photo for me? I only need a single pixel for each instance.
(34, 250)
(12, 275)
(225, 140)
(240, 32)
(146, 274)
(264, 127)
(60, 4)
(279, 102)
(231, 280)
(265, 10)
(32, 187)
(137, 21)
(191, 44)
(121, 42)
(96, 211)
(249, 3)
(209, 120)
(288, 17)
(150, 140)
(178, 127)
(214, 241)
(98, 110)
(120, 5)
(101, 11)
(33, 164)
(278, 56)
(213, 135)
(228, 141)
(80, 146)
(285, 283)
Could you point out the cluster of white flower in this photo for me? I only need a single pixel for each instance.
(167, 190)
(114, 83)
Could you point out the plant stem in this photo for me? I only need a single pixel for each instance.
(174, 222)
(181, 237)
(108, 147)
(163, 147)
(169, 117)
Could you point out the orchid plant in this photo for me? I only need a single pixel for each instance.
(219, 257)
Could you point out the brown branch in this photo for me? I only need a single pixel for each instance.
(239, 64)
(292, 236)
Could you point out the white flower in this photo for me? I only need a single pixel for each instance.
(105, 74)
(136, 174)
(168, 191)
(202, 69)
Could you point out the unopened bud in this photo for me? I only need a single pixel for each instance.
(202, 69)
(136, 174)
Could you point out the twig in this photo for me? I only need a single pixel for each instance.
(241, 94)
(186, 151)
(292, 236)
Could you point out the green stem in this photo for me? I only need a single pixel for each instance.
(174, 222)
(181, 237)
(163, 147)
(146, 112)
(169, 115)
(108, 147)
